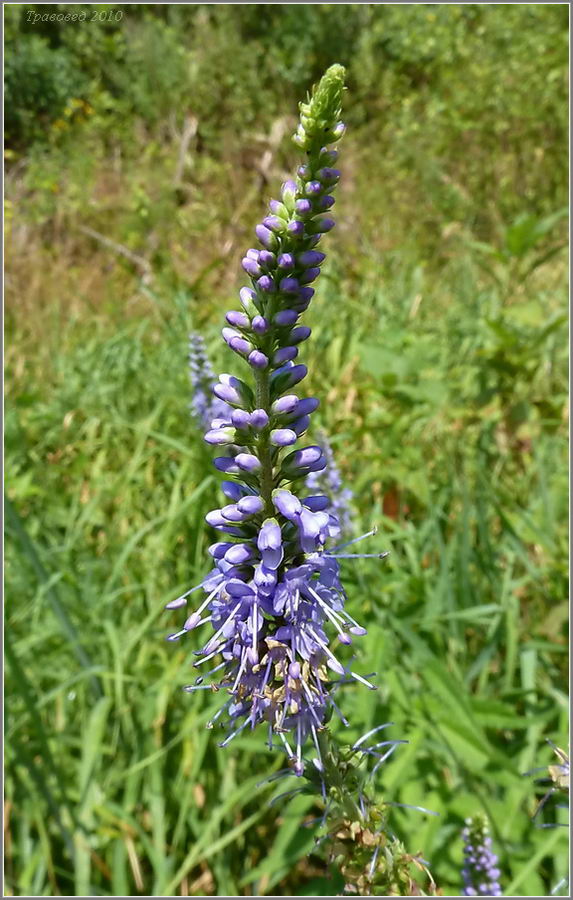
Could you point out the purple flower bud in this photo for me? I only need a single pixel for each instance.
(287, 504)
(344, 638)
(233, 491)
(286, 316)
(329, 176)
(285, 404)
(328, 157)
(312, 188)
(220, 436)
(285, 354)
(238, 319)
(248, 298)
(299, 334)
(227, 393)
(303, 207)
(289, 286)
(258, 360)
(321, 225)
(300, 425)
(283, 437)
(317, 503)
(253, 254)
(325, 202)
(296, 228)
(232, 513)
(240, 345)
(218, 550)
(226, 464)
(290, 377)
(303, 171)
(215, 517)
(311, 258)
(267, 259)
(269, 542)
(273, 223)
(240, 418)
(307, 406)
(286, 261)
(236, 554)
(338, 130)
(306, 293)
(309, 275)
(279, 209)
(259, 325)
(251, 505)
(259, 419)
(251, 267)
(294, 670)
(247, 462)
(288, 191)
(266, 284)
(266, 237)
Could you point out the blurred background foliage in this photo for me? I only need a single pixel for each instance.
(141, 147)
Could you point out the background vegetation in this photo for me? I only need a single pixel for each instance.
(140, 152)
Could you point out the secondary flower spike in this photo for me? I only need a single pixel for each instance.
(274, 598)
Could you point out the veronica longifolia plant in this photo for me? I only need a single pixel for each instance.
(274, 593)
(274, 600)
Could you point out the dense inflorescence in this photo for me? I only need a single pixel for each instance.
(480, 873)
(274, 587)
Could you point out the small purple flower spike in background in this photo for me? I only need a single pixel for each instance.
(480, 873)
(204, 406)
(329, 481)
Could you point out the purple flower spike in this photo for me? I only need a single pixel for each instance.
(258, 360)
(269, 543)
(266, 237)
(270, 600)
(283, 437)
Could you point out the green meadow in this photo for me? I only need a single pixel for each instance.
(141, 148)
